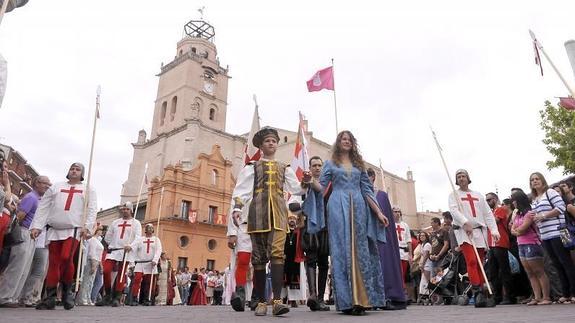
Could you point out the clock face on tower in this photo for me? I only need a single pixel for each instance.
(209, 87)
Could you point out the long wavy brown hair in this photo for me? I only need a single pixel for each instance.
(354, 154)
(534, 193)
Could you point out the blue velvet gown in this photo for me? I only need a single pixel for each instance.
(353, 237)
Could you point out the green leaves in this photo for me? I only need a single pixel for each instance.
(559, 127)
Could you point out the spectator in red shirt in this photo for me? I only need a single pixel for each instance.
(499, 271)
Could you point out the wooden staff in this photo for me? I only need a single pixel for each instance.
(158, 235)
(133, 217)
(3, 9)
(160, 211)
(460, 207)
(87, 195)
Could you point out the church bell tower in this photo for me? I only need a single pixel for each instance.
(193, 86)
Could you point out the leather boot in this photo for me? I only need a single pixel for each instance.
(48, 303)
(68, 296)
(279, 308)
(116, 299)
(480, 299)
(312, 302)
(106, 300)
(238, 300)
(134, 301)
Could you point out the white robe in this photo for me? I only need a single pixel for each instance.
(479, 216)
(114, 238)
(403, 239)
(142, 253)
(63, 211)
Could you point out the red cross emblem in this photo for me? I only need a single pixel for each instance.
(70, 192)
(470, 199)
(123, 226)
(148, 242)
(399, 230)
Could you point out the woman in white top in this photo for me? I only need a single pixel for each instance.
(425, 264)
(550, 210)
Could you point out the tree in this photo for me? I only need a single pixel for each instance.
(559, 127)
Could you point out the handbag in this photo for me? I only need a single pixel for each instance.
(14, 234)
(566, 229)
(513, 263)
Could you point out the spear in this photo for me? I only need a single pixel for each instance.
(158, 235)
(460, 207)
(88, 179)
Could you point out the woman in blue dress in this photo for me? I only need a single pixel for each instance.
(355, 225)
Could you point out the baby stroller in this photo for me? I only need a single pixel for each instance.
(443, 287)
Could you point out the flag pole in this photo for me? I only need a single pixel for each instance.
(460, 207)
(133, 217)
(382, 177)
(88, 179)
(334, 98)
(3, 9)
(540, 47)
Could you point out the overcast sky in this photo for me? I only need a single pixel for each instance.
(466, 69)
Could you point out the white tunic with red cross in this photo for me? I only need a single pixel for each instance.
(403, 239)
(476, 211)
(62, 207)
(122, 233)
(148, 250)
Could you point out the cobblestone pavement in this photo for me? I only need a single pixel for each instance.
(224, 314)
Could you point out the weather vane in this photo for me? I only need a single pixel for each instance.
(201, 11)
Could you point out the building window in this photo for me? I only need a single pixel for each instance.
(140, 213)
(212, 244)
(212, 213)
(182, 262)
(210, 265)
(212, 114)
(214, 177)
(285, 138)
(173, 109)
(185, 209)
(183, 241)
(181, 52)
(193, 50)
(163, 113)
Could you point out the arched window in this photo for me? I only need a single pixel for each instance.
(181, 52)
(193, 50)
(285, 138)
(212, 114)
(163, 112)
(214, 177)
(173, 109)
